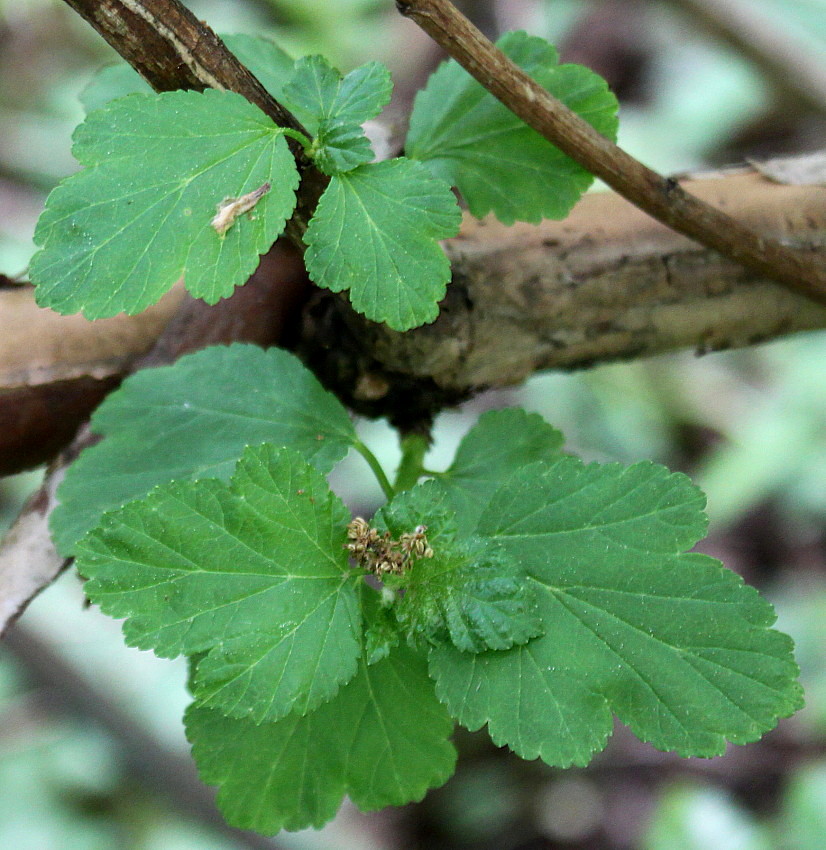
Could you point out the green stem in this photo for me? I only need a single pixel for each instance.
(303, 140)
(411, 468)
(373, 463)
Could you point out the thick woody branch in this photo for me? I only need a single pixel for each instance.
(608, 283)
(661, 198)
(54, 370)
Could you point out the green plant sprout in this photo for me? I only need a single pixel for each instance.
(520, 589)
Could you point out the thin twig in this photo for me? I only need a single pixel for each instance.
(792, 69)
(663, 199)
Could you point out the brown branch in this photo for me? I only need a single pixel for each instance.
(39, 346)
(661, 198)
(793, 70)
(54, 370)
(608, 283)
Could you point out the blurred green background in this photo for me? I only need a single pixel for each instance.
(92, 753)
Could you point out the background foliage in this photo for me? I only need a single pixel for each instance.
(747, 426)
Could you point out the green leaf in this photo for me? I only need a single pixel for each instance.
(193, 420)
(255, 573)
(110, 83)
(334, 108)
(382, 632)
(499, 163)
(672, 643)
(375, 232)
(501, 442)
(383, 740)
(114, 238)
(266, 60)
(272, 65)
(468, 591)
(341, 148)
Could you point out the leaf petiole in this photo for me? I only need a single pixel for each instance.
(378, 471)
(303, 140)
(411, 467)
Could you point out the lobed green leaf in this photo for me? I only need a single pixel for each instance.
(501, 442)
(193, 420)
(115, 237)
(254, 573)
(383, 740)
(498, 163)
(334, 108)
(671, 642)
(375, 232)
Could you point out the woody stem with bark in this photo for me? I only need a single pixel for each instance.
(659, 197)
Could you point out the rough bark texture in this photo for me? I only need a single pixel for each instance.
(607, 283)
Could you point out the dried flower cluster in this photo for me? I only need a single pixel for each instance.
(380, 554)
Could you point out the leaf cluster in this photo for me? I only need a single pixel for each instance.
(538, 596)
(216, 183)
(520, 589)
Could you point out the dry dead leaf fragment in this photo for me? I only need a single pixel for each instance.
(230, 208)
